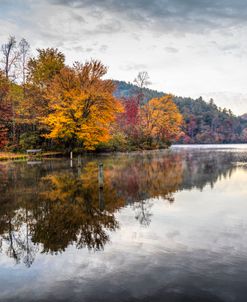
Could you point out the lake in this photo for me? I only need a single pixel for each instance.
(167, 226)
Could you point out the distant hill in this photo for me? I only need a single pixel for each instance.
(238, 101)
(204, 122)
(244, 117)
(126, 90)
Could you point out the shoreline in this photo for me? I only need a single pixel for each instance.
(12, 156)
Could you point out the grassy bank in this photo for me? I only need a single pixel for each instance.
(24, 156)
(12, 156)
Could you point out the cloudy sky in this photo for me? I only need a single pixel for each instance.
(189, 47)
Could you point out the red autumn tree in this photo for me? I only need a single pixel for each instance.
(129, 120)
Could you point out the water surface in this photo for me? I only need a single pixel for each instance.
(167, 226)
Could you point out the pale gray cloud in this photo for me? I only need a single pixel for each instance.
(108, 27)
(189, 47)
(171, 49)
(103, 48)
(134, 66)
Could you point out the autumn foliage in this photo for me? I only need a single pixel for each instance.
(56, 106)
(82, 105)
(161, 119)
(155, 124)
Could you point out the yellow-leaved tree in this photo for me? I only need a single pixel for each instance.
(82, 105)
(161, 120)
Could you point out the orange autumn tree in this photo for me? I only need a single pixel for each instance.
(82, 105)
(161, 120)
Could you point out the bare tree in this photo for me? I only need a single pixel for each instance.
(10, 55)
(142, 79)
(24, 49)
(14, 60)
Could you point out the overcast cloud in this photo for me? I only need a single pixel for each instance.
(189, 47)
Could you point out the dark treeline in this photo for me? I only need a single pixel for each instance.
(204, 122)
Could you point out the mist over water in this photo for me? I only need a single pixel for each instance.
(168, 226)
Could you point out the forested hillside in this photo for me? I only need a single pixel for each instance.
(204, 122)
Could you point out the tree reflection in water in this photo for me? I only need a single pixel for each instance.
(49, 207)
(69, 213)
